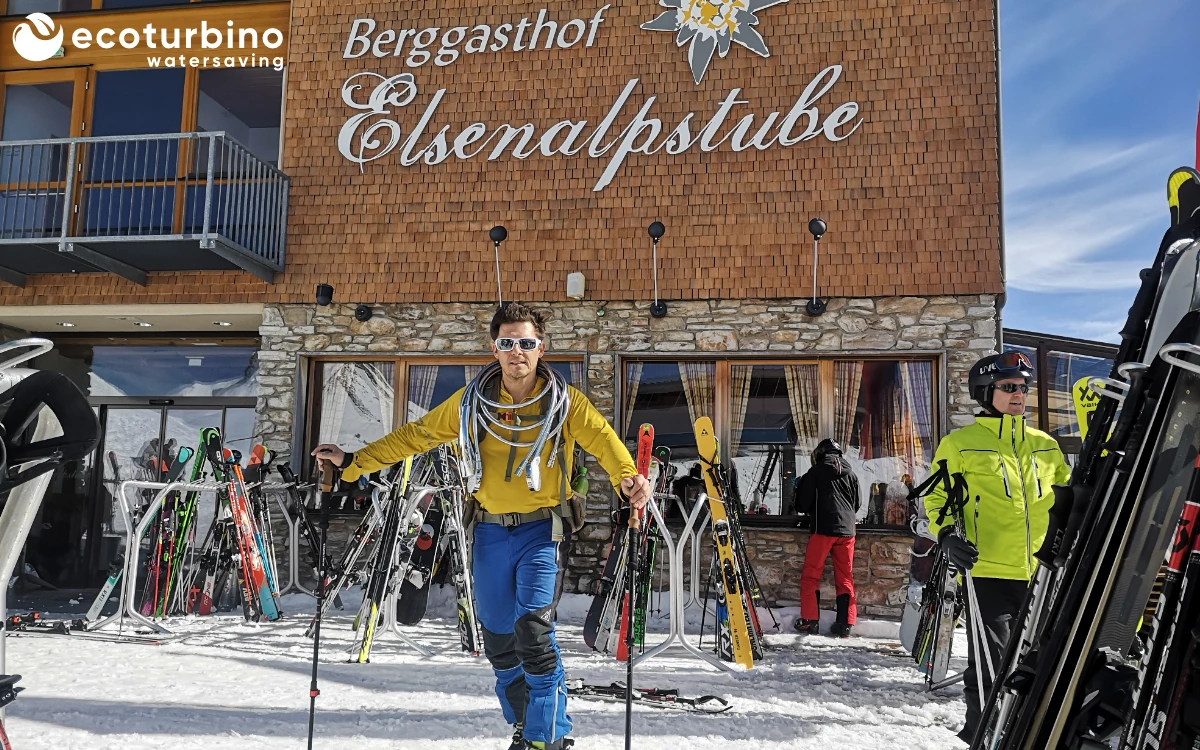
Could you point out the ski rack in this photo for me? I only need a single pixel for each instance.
(676, 606)
(127, 601)
(693, 591)
(293, 547)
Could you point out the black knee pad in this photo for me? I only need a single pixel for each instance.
(534, 646)
(500, 649)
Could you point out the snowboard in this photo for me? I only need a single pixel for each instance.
(413, 599)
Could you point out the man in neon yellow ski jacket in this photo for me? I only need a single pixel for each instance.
(1009, 468)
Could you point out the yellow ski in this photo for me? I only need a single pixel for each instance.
(1086, 400)
(728, 578)
(377, 586)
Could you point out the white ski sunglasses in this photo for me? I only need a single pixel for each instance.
(527, 344)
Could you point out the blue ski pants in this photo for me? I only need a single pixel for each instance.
(516, 570)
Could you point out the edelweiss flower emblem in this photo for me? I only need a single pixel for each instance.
(710, 25)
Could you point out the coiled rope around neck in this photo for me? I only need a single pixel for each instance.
(477, 411)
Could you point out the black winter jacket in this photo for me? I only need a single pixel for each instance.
(829, 493)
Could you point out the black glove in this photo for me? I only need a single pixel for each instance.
(960, 551)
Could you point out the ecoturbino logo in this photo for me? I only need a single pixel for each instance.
(38, 40)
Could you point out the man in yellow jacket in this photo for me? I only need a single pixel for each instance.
(1009, 468)
(519, 522)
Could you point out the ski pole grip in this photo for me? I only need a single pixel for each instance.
(1060, 514)
(1080, 494)
(326, 475)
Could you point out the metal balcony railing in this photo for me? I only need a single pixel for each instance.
(132, 204)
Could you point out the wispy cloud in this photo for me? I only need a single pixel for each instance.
(1097, 330)
(1093, 123)
(1075, 216)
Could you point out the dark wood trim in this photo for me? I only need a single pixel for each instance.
(1060, 343)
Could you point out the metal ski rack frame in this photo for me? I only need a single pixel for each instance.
(293, 549)
(693, 591)
(127, 598)
(676, 606)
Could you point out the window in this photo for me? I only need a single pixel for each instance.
(1063, 371)
(774, 426)
(147, 370)
(246, 104)
(355, 402)
(38, 110)
(33, 177)
(1059, 363)
(770, 416)
(883, 418)
(25, 7)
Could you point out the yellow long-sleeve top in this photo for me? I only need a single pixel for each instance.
(584, 426)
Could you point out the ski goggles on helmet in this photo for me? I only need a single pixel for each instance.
(1013, 387)
(527, 344)
(1013, 362)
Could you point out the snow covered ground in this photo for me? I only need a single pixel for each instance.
(223, 683)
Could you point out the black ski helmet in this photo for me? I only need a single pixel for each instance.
(825, 447)
(995, 367)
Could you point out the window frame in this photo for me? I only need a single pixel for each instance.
(722, 409)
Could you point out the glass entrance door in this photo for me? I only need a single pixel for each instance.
(80, 531)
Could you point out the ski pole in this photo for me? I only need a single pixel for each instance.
(325, 486)
(645, 448)
(979, 641)
(631, 543)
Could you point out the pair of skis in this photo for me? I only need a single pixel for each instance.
(739, 635)
(603, 629)
(387, 559)
(260, 594)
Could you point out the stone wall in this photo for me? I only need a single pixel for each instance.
(963, 327)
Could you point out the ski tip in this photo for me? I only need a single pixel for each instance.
(1183, 194)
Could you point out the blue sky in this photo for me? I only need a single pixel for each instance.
(1099, 101)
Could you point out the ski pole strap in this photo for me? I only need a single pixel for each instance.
(924, 488)
(956, 489)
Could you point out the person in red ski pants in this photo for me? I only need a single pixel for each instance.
(829, 493)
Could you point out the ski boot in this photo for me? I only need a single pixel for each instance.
(564, 743)
(841, 627)
(518, 738)
(807, 627)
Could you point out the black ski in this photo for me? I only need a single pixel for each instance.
(667, 698)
